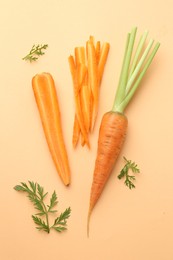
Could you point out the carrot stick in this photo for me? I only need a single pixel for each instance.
(91, 39)
(80, 55)
(47, 102)
(97, 48)
(80, 64)
(78, 109)
(76, 132)
(80, 118)
(85, 104)
(102, 60)
(72, 66)
(114, 124)
(93, 80)
(87, 68)
(81, 74)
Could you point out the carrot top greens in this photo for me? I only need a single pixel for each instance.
(124, 173)
(35, 52)
(36, 195)
(135, 64)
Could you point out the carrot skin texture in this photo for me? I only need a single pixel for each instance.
(112, 134)
(48, 106)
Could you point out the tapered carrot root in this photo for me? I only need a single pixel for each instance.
(47, 102)
(111, 137)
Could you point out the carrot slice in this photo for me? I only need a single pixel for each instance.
(81, 75)
(85, 104)
(93, 80)
(87, 67)
(78, 109)
(80, 55)
(97, 48)
(47, 102)
(102, 60)
(72, 66)
(76, 132)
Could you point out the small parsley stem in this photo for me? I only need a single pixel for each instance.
(124, 173)
(45, 210)
(35, 52)
(47, 218)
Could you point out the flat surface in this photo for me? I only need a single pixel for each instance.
(125, 225)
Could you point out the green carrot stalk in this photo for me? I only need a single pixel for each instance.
(133, 71)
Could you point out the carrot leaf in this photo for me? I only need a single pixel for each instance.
(35, 52)
(37, 196)
(61, 221)
(124, 173)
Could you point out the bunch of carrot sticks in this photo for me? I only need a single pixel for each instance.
(87, 67)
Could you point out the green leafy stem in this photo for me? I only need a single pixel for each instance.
(35, 52)
(37, 196)
(124, 173)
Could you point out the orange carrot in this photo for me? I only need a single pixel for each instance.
(111, 137)
(114, 123)
(48, 106)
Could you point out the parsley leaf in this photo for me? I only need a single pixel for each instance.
(124, 173)
(35, 52)
(60, 222)
(36, 195)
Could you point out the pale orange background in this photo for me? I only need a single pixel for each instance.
(125, 225)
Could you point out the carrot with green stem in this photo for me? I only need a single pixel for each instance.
(47, 102)
(114, 123)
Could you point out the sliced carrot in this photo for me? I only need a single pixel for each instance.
(91, 39)
(87, 66)
(85, 104)
(72, 66)
(78, 109)
(81, 75)
(76, 132)
(97, 48)
(80, 64)
(102, 60)
(93, 80)
(80, 55)
(80, 119)
(47, 102)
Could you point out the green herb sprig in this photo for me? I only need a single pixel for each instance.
(125, 173)
(37, 196)
(35, 52)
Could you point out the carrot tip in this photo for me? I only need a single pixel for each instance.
(88, 221)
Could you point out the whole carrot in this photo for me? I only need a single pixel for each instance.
(47, 101)
(114, 123)
(111, 137)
